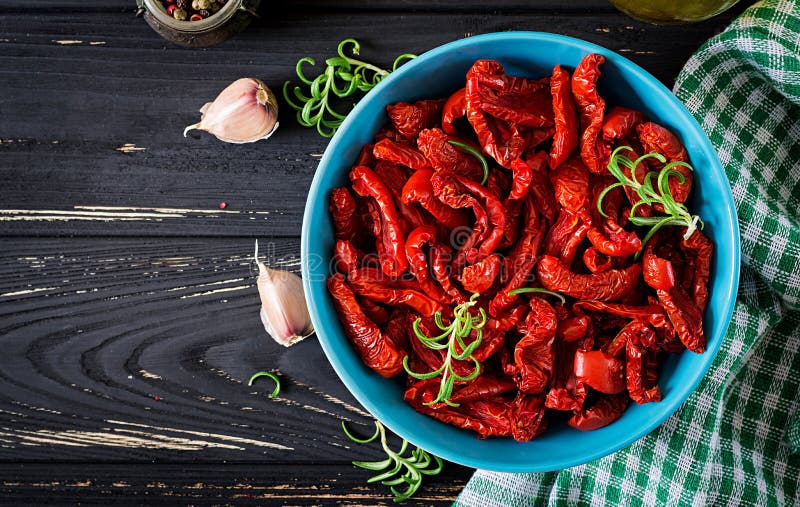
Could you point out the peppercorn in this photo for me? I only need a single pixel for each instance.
(193, 10)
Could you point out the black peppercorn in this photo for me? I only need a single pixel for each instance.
(204, 13)
(182, 4)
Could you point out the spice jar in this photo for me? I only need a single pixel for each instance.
(671, 12)
(229, 20)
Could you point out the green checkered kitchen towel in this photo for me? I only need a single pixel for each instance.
(732, 441)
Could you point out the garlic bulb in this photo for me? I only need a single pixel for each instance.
(244, 112)
(283, 306)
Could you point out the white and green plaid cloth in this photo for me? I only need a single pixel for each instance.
(731, 443)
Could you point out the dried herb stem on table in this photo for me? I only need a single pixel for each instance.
(271, 375)
(408, 470)
(343, 76)
(452, 340)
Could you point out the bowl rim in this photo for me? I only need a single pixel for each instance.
(681, 392)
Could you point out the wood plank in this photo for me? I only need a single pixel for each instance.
(140, 349)
(273, 7)
(283, 484)
(90, 136)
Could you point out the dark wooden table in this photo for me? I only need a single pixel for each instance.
(128, 312)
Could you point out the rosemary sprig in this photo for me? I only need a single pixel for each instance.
(675, 213)
(417, 464)
(524, 290)
(452, 339)
(271, 375)
(475, 153)
(342, 77)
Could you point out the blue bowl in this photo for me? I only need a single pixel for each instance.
(438, 73)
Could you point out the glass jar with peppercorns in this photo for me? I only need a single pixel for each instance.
(198, 23)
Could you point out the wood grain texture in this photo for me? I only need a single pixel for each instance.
(111, 343)
(284, 484)
(94, 103)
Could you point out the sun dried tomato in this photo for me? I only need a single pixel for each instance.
(542, 189)
(418, 261)
(613, 240)
(605, 410)
(366, 183)
(656, 138)
(571, 185)
(484, 386)
(487, 417)
(454, 108)
(418, 189)
(376, 350)
(594, 152)
(520, 261)
(595, 261)
(522, 176)
(386, 149)
(600, 371)
(565, 139)
(574, 328)
(346, 222)
(443, 156)
(490, 217)
(642, 377)
(479, 277)
(686, 317)
(533, 354)
(410, 119)
(527, 417)
(683, 312)
(700, 249)
(566, 392)
(499, 106)
(620, 122)
(346, 257)
(395, 177)
(606, 286)
(376, 313)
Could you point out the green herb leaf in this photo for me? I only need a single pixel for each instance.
(271, 375)
(343, 76)
(397, 469)
(475, 153)
(675, 213)
(452, 339)
(538, 290)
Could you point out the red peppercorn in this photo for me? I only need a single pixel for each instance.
(223, 205)
(195, 17)
(171, 8)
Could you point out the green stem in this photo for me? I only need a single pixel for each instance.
(537, 290)
(475, 153)
(271, 375)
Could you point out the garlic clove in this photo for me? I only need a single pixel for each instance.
(283, 306)
(244, 112)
